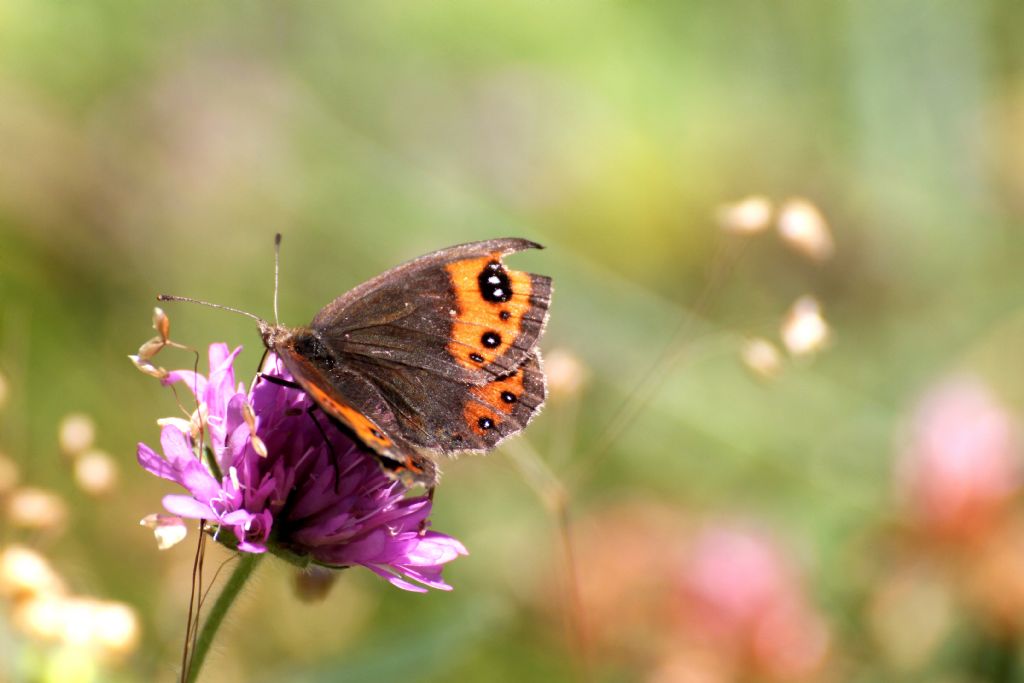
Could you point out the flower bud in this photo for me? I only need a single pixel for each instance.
(162, 324)
(169, 530)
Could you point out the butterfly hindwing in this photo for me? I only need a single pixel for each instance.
(447, 416)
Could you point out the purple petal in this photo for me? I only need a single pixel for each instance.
(434, 549)
(187, 506)
(199, 481)
(195, 383)
(176, 445)
(396, 580)
(154, 464)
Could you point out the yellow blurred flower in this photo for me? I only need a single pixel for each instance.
(761, 357)
(34, 508)
(107, 628)
(96, 472)
(747, 216)
(76, 433)
(9, 474)
(565, 371)
(26, 573)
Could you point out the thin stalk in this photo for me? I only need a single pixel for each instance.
(246, 563)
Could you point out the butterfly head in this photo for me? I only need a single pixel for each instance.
(273, 334)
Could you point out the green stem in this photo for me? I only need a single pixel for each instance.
(246, 563)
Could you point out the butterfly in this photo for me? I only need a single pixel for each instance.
(435, 356)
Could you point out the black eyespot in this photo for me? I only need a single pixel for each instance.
(491, 339)
(494, 283)
(504, 315)
(377, 433)
(476, 358)
(508, 397)
(485, 423)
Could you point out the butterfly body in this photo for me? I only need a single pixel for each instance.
(436, 355)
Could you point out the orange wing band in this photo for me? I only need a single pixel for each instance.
(482, 329)
(360, 424)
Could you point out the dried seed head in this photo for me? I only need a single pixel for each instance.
(249, 416)
(181, 424)
(162, 324)
(169, 530)
(250, 419)
(802, 226)
(747, 216)
(148, 368)
(199, 420)
(33, 508)
(804, 331)
(96, 473)
(258, 446)
(150, 348)
(77, 432)
(25, 573)
(566, 372)
(761, 357)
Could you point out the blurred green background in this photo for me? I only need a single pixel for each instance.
(157, 147)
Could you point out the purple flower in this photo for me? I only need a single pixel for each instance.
(307, 500)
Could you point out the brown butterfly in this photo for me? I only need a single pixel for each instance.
(437, 355)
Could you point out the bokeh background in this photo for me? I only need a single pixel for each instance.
(725, 485)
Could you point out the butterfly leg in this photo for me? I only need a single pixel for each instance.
(279, 381)
(424, 523)
(330, 446)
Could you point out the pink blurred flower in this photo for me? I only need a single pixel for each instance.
(713, 604)
(742, 598)
(961, 463)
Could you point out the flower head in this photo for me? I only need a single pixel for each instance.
(740, 593)
(278, 476)
(961, 463)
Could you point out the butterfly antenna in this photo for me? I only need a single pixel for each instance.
(277, 268)
(169, 297)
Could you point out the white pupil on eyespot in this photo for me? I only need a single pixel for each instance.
(498, 291)
(494, 279)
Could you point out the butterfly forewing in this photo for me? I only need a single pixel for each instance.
(352, 407)
(457, 313)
